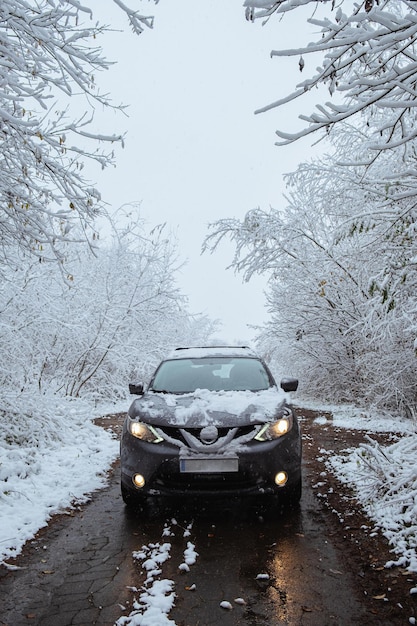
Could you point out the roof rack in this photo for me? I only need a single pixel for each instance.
(206, 347)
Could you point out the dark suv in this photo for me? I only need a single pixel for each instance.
(212, 422)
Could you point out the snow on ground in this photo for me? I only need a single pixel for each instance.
(52, 456)
(349, 416)
(157, 594)
(384, 478)
(156, 597)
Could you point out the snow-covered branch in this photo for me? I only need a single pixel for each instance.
(369, 60)
(49, 57)
(341, 259)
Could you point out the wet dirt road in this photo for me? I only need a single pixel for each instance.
(80, 570)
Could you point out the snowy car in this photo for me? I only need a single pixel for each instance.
(212, 422)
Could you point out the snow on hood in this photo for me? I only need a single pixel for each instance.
(203, 407)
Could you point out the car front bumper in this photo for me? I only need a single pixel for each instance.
(257, 465)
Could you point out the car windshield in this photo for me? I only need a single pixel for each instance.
(214, 374)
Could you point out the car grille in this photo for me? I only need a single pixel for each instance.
(178, 433)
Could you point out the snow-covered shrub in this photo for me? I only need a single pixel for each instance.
(384, 479)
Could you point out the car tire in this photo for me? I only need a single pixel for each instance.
(291, 496)
(287, 499)
(131, 500)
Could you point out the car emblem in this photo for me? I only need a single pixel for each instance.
(209, 434)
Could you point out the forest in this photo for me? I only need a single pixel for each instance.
(88, 294)
(341, 253)
(88, 297)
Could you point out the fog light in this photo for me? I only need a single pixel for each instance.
(138, 480)
(281, 478)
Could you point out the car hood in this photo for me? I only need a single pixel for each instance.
(203, 408)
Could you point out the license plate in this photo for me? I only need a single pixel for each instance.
(208, 464)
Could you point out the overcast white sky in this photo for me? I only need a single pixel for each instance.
(195, 151)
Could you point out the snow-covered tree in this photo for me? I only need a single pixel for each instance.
(342, 260)
(49, 60)
(115, 318)
(342, 254)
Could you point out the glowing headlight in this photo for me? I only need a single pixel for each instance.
(276, 429)
(144, 432)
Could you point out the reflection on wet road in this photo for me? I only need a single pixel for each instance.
(283, 565)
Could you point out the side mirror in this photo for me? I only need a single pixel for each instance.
(136, 389)
(289, 384)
